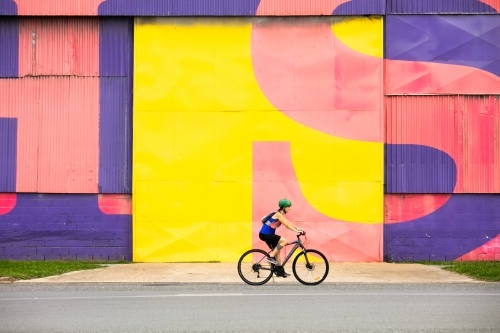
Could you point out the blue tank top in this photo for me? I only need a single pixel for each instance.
(269, 228)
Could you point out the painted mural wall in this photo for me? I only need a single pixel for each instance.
(230, 115)
(65, 138)
(442, 144)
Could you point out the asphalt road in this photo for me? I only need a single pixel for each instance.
(241, 308)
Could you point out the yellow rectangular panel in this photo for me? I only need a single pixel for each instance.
(198, 109)
(154, 145)
(175, 242)
(193, 201)
(234, 238)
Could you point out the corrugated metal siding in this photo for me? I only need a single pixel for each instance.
(361, 7)
(8, 7)
(466, 128)
(115, 138)
(191, 7)
(68, 149)
(57, 7)
(8, 137)
(19, 99)
(57, 142)
(116, 46)
(59, 46)
(179, 7)
(320, 7)
(9, 47)
(442, 6)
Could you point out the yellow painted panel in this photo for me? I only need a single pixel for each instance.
(233, 239)
(154, 145)
(192, 201)
(363, 34)
(197, 111)
(173, 241)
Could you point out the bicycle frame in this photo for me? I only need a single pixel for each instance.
(298, 243)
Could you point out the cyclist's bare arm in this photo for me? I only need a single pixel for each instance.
(287, 223)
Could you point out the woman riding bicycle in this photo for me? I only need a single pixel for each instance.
(268, 233)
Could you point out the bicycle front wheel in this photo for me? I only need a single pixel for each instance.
(253, 267)
(310, 267)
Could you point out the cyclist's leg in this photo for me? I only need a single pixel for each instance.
(277, 249)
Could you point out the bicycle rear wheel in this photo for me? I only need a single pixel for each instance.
(310, 268)
(253, 267)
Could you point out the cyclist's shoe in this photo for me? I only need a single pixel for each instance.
(280, 271)
(283, 274)
(272, 260)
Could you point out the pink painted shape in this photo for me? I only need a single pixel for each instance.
(489, 251)
(297, 7)
(7, 202)
(274, 178)
(413, 77)
(312, 77)
(493, 3)
(407, 207)
(58, 132)
(57, 7)
(59, 47)
(115, 204)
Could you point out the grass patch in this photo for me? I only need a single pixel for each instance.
(479, 270)
(25, 270)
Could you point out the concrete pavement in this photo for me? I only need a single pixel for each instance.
(227, 273)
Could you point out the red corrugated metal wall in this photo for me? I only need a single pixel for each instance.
(57, 7)
(56, 102)
(62, 46)
(465, 127)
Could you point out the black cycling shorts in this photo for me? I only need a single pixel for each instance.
(270, 239)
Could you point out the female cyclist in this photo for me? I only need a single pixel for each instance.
(268, 233)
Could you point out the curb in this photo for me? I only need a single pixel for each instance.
(7, 279)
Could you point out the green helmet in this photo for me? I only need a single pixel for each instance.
(284, 203)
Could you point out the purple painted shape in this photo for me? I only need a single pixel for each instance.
(475, 41)
(418, 169)
(54, 226)
(9, 50)
(115, 135)
(361, 7)
(8, 7)
(115, 85)
(116, 46)
(8, 154)
(455, 229)
(179, 7)
(437, 7)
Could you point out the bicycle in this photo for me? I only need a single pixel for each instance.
(253, 265)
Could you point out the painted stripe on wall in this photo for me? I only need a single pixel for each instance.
(115, 132)
(9, 50)
(8, 149)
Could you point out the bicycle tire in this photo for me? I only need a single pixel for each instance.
(262, 262)
(316, 279)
